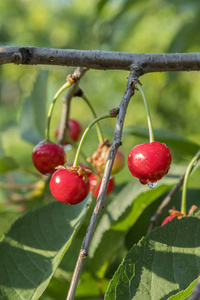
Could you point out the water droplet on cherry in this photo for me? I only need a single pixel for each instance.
(152, 185)
(68, 147)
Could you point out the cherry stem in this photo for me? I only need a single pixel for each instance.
(185, 182)
(99, 132)
(64, 87)
(151, 135)
(104, 116)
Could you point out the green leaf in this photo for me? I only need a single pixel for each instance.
(34, 246)
(185, 293)
(162, 264)
(172, 140)
(7, 164)
(33, 118)
(120, 215)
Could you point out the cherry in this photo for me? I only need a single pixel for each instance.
(47, 155)
(168, 219)
(119, 162)
(69, 186)
(149, 162)
(100, 156)
(73, 131)
(111, 185)
(95, 181)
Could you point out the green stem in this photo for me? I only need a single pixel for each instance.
(185, 182)
(64, 87)
(104, 116)
(99, 132)
(151, 135)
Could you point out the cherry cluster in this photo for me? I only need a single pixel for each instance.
(148, 162)
(70, 184)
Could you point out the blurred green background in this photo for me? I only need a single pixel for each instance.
(154, 26)
(132, 26)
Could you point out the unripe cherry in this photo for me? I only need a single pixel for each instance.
(100, 156)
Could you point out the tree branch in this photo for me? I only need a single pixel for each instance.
(102, 60)
(102, 192)
(78, 73)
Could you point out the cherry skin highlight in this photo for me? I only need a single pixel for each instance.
(47, 155)
(73, 131)
(69, 187)
(149, 162)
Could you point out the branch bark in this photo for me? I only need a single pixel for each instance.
(78, 73)
(102, 60)
(102, 192)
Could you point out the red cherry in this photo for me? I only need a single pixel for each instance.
(96, 182)
(47, 155)
(69, 187)
(168, 219)
(149, 162)
(111, 185)
(74, 130)
(94, 179)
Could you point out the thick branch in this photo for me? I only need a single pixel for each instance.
(102, 60)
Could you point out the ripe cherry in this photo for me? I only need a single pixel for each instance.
(69, 187)
(168, 219)
(95, 181)
(73, 131)
(149, 162)
(175, 213)
(47, 155)
(111, 185)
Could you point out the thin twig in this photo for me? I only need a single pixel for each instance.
(154, 219)
(101, 60)
(78, 73)
(196, 292)
(18, 186)
(102, 192)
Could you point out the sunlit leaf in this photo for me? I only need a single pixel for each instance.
(120, 215)
(185, 293)
(162, 264)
